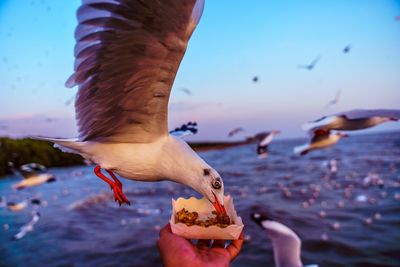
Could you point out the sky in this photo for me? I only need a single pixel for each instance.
(235, 41)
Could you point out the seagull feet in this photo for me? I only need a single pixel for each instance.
(115, 185)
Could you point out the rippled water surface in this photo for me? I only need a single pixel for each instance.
(82, 226)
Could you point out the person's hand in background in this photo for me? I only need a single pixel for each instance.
(177, 251)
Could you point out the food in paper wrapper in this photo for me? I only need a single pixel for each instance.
(197, 219)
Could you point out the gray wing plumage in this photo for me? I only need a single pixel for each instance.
(127, 55)
(368, 113)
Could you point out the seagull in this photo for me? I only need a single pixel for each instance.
(265, 139)
(235, 131)
(69, 101)
(28, 227)
(33, 174)
(27, 170)
(285, 242)
(353, 120)
(347, 49)
(320, 139)
(187, 129)
(310, 66)
(255, 79)
(13, 206)
(186, 91)
(127, 56)
(335, 100)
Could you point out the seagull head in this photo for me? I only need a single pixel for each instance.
(211, 187)
(183, 165)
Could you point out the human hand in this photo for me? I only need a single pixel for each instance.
(177, 251)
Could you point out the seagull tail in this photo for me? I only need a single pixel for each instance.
(73, 146)
(301, 150)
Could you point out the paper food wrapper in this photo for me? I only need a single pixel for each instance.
(204, 208)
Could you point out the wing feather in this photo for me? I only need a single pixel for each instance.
(127, 56)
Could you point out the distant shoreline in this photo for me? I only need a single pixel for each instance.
(26, 150)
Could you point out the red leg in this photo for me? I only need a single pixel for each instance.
(116, 186)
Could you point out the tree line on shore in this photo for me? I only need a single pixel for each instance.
(22, 151)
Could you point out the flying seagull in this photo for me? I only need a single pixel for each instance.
(321, 129)
(28, 227)
(187, 129)
(264, 140)
(19, 206)
(33, 174)
(347, 49)
(356, 119)
(320, 139)
(127, 56)
(310, 66)
(255, 79)
(335, 100)
(186, 91)
(235, 131)
(285, 242)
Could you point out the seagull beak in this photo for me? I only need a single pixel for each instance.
(218, 206)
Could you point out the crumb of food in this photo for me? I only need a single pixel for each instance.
(191, 218)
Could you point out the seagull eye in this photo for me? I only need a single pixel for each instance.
(216, 183)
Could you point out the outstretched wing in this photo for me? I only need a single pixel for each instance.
(127, 55)
(368, 113)
(187, 129)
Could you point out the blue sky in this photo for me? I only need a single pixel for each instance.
(235, 41)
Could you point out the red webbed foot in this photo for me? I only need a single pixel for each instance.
(115, 185)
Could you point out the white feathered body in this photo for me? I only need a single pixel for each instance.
(168, 157)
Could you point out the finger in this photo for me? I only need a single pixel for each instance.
(203, 243)
(235, 247)
(218, 243)
(166, 230)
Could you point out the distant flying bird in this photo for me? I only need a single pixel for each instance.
(186, 91)
(255, 79)
(19, 206)
(345, 121)
(320, 139)
(28, 227)
(33, 174)
(27, 170)
(353, 120)
(127, 55)
(335, 100)
(235, 131)
(347, 49)
(187, 129)
(397, 18)
(264, 140)
(310, 66)
(286, 243)
(69, 101)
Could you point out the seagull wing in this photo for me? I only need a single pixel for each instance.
(266, 140)
(365, 113)
(286, 244)
(127, 55)
(315, 61)
(185, 130)
(320, 123)
(337, 96)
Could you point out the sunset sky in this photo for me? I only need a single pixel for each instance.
(235, 41)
